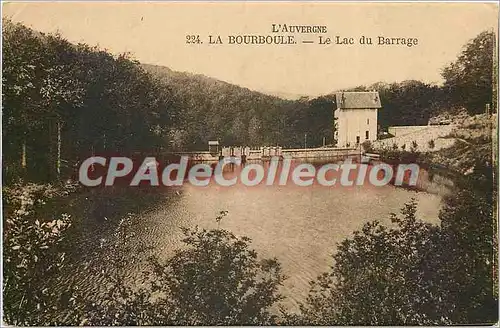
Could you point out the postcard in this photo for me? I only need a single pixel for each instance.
(249, 163)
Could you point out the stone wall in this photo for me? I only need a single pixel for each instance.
(399, 131)
(422, 135)
(320, 152)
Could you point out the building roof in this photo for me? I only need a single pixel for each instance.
(213, 142)
(353, 100)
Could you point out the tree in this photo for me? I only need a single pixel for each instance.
(409, 273)
(379, 278)
(469, 79)
(468, 249)
(219, 281)
(23, 69)
(215, 280)
(65, 100)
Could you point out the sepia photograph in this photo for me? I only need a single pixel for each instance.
(249, 163)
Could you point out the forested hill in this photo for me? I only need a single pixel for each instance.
(210, 109)
(62, 102)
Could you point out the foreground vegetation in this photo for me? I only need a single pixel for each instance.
(408, 273)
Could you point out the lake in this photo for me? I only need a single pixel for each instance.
(300, 226)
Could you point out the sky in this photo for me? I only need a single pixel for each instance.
(155, 33)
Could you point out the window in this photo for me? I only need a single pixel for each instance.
(357, 139)
(367, 135)
(367, 121)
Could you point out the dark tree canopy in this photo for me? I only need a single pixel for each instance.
(216, 110)
(99, 102)
(469, 79)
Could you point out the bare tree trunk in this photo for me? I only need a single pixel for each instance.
(58, 162)
(92, 168)
(23, 154)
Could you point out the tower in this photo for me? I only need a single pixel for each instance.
(356, 117)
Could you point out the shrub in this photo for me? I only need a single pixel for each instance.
(32, 255)
(367, 146)
(379, 278)
(431, 144)
(414, 146)
(219, 281)
(215, 280)
(468, 248)
(410, 274)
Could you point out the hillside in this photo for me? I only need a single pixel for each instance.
(474, 139)
(461, 147)
(210, 109)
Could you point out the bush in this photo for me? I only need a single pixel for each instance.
(431, 144)
(215, 280)
(32, 255)
(367, 146)
(219, 281)
(414, 146)
(405, 274)
(379, 278)
(410, 274)
(468, 248)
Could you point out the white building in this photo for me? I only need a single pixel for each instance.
(356, 117)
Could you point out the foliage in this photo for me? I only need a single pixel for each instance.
(367, 146)
(106, 103)
(469, 79)
(472, 149)
(100, 102)
(219, 281)
(215, 280)
(467, 251)
(407, 103)
(378, 277)
(33, 254)
(409, 273)
(469, 83)
(406, 274)
(216, 110)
